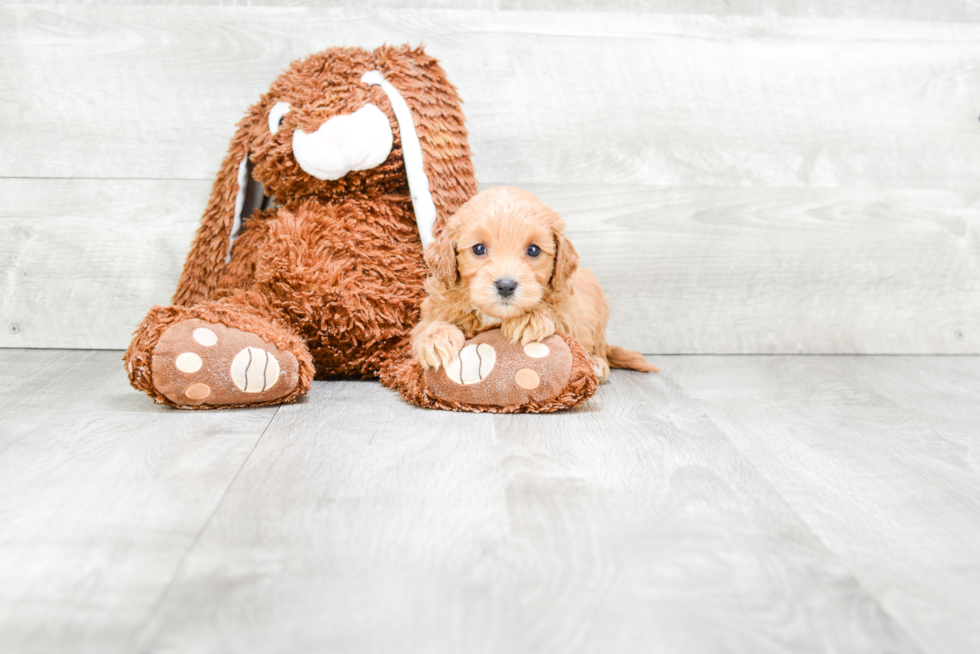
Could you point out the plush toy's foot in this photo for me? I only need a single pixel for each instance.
(494, 375)
(201, 364)
(491, 370)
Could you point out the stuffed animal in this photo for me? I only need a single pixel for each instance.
(309, 259)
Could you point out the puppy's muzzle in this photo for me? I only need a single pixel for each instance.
(505, 287)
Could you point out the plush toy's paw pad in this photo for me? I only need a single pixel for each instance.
(472, 364)
(490, 370)
(197, 363)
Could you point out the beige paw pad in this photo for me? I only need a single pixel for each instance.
(536, 350)
(188, 362)
(198, 391)
(205, 336)
(254, 370)
(472, 365)
(527, 379)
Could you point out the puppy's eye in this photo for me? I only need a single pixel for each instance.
(479, 249)
(276, 115)
(533, 250)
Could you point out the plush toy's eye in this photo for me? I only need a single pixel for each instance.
(479, 249)
(276, 114)
(533, 250)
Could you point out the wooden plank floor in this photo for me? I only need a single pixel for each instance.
(730, 504)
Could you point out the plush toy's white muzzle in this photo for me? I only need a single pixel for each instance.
(356, 141)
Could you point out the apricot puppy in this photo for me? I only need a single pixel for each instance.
(503, 258)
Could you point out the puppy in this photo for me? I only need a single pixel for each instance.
(503, 258)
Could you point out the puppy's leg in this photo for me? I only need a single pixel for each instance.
(530, 327)
(436, 343)
(601, 367)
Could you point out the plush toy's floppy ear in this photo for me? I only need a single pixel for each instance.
(439, 122)
(566, 262)
(440, 256)
(234, 195)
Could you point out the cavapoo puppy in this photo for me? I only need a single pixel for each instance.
(503, 258)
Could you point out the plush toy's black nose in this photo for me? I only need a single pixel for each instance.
(506, 287)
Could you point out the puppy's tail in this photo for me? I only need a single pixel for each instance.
(628, 360)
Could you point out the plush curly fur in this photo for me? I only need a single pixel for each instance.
(334, 272)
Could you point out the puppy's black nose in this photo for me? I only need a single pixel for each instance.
(506, 287)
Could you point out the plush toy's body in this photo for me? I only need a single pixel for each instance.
(308, 262)
(344, 275)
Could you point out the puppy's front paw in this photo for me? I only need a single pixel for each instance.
(437, 344)
(528, 328)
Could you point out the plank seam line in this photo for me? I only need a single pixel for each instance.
(636, 186)
(872, 597)
(859, 355)
(197, 537)
(106, 179)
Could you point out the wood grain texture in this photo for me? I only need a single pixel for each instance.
(687, 270)
(930, 10)
(922, 10)
(551, 97)
(763, 504)
(360, 524)
(879, 457)
(782, 270)
(101, 496)
(631, 525)
(81, 261)
(640, 528)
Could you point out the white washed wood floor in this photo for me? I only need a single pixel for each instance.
(730, 504)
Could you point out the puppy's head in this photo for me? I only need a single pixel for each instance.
(506, 250)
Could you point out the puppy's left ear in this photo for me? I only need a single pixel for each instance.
(566, 262)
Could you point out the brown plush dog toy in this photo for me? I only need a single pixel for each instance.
(308, 261)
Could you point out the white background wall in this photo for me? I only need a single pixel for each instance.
(766, 179)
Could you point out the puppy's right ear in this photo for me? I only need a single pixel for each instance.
(440, 256)
(234, 195)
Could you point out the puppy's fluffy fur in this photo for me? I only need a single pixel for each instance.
(522, 241)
